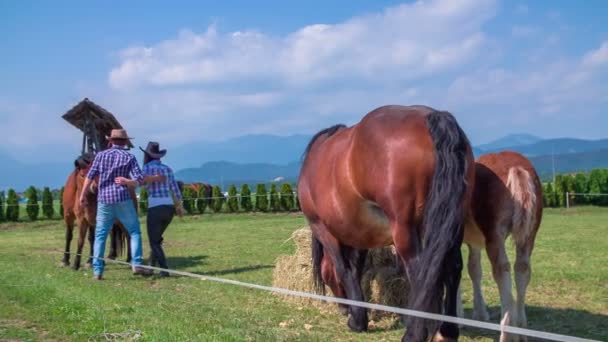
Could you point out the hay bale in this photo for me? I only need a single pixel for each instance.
(381, 281)
(386, 286)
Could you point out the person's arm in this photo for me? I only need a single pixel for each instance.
(93, 172)
(135, 171)
(179, 209)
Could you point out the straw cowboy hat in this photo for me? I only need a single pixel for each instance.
(153, 150)
(119, 134)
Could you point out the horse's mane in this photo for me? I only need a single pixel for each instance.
(329, 131)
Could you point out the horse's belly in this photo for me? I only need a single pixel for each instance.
(368, 228)
(473, 235)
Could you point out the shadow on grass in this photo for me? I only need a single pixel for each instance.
(186, 261)
(572, 322)
(236, 270)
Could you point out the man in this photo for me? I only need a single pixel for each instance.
(164, 200)
(114, 201)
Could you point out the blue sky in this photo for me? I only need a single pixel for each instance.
(194, 70)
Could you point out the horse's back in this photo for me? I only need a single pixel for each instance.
(506, 186)
(365, 175)
(69, 197)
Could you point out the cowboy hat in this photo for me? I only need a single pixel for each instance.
(153, 150)
(119, 134)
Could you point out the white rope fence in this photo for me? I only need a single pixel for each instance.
(399, 311)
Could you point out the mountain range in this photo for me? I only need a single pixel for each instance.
(263, 158)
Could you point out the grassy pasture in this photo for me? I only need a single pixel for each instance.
(41, 301)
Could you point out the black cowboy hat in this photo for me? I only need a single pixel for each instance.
(153, 150)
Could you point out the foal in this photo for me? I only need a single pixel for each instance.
(507, 199)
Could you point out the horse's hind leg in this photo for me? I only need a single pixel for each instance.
(453, 273)
(82, 233)
(328, 273)
(114, 236)
(69, 231)
(495, 247)
(480, 311)
(349, 264)
(522, 279)
(91, 244)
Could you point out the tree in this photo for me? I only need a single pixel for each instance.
(143, 201)
(551, 198)
(2, 200)
(233, 201)
(298, 202)
(33, 209)
(246, 203)
(12, 206)
(595, 185)
(187, 199)
(261, 198)
(202, 199)
(47, 203)
(274, 198)
(61, 202)
(286, 197)
(218, 199)
(560, 190)
(581, 186)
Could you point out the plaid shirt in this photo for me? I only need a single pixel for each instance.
(109, 164)
(161, 189)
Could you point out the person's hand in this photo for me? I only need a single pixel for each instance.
(179, 210)
(159, 178)
(121, 181)
(83, 200)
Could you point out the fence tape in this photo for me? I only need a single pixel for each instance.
(399, 311)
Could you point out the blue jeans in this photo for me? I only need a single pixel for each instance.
(106, 215)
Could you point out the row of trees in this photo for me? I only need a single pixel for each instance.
(586, 186)
(285, 199)
(33, 208)
(263, 200)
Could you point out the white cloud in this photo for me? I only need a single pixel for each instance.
(597, 57)
(403, 42)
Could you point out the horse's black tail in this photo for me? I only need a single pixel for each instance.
(121, 239)
(317, 257)
(443, 221)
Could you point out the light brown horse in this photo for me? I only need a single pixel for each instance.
(402, 176)
(85, 216)
(507, 200)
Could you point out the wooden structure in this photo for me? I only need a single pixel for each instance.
(95, 122)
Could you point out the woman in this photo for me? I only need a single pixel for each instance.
(164, 200)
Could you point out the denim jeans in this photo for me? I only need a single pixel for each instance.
(106, 215)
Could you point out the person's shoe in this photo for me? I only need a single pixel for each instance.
(137, 270)
(98, 277)
(163, 274)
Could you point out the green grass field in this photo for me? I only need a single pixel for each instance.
(41, 301)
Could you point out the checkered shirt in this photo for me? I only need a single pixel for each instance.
(109, 164)
(161, 189)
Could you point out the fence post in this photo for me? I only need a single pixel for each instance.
(567, 200)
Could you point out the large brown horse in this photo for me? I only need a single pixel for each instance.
(507, 200)
(402, 176)
(85, 216)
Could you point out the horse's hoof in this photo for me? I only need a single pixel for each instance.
(481, 316)
(352, 325)
(112, 257)
(440, 338)
(76, 267)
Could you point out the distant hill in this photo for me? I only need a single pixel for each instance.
(557, 146)
(570, 162)
(246, 149)
(228, 173)
(19, 176)
(510, 141)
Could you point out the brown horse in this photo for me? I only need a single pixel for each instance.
(85, 216)
(402, 176)
(507, 200)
